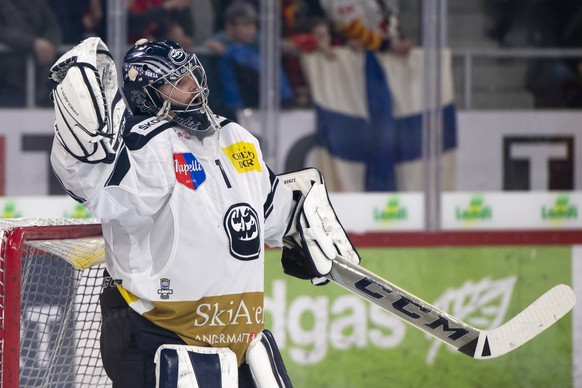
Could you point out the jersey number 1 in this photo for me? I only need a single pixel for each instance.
(226, 181)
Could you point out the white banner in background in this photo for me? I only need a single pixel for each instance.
(508, 150)
(515, 210)
(385, 212)
(360, 213)
(489, 145)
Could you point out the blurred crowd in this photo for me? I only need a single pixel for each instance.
(224, 34)
(554, 82)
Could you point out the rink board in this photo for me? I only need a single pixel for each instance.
(331, 338)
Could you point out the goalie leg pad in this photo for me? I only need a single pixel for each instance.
(185, 366)
(266, 363)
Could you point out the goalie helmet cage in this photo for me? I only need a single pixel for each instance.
(50, 281)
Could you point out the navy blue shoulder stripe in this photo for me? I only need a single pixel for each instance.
(122, 166)
(224, 122)
(132, 137)
(131, 120)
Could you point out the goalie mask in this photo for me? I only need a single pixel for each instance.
(161, 79)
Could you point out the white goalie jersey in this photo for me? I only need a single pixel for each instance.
(184, 219)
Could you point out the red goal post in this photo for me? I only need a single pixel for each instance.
(50, 281)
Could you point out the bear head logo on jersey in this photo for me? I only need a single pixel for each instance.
(242, 227)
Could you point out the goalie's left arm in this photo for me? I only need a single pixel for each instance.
(315, 236)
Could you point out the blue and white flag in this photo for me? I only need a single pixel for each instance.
(369, 120)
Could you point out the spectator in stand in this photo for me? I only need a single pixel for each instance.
(27, 28)
(239, 54)
(572, 37)
(506, 21)
(220, 7)
(323, 37)
(360, 24)
(369, 25)
(297, 37)
(94, 17)
(554, 82)
(160, 20)
(78, 19)
(203, 13)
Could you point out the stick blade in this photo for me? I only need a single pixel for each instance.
(537, 317)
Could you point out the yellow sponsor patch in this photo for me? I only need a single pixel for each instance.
(243, 156)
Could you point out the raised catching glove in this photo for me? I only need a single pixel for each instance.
(88, 106)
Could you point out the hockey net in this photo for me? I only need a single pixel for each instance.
(50, 281)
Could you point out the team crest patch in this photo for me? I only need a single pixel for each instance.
(241, 224)
(189, 171)
(243, 156)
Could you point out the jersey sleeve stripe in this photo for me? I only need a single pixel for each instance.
(268, 205)
(122, 166)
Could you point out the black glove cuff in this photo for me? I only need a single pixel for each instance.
(293, 264)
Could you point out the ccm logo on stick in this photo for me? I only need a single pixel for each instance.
(401, 304)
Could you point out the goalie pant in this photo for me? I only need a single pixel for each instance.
(129, 343)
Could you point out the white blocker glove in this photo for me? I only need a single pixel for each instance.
(315, 237)
(88, 106)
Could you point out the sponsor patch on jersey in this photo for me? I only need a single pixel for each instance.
(189, 171)
(230, 320)
(241, 224)
(243, 156)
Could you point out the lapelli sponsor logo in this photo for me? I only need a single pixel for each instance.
(182, 168)
(188, 170)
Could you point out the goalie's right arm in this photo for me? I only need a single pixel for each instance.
(89, 109)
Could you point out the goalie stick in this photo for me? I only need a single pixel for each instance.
(479, 344)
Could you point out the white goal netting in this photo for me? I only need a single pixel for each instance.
(52, 269)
